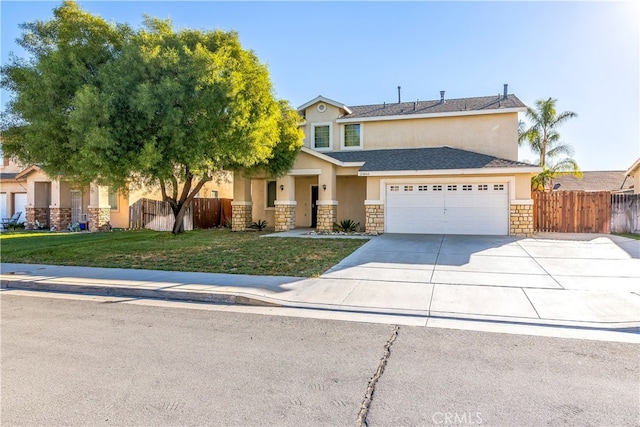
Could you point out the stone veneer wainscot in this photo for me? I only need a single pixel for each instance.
(240, 216)
(285, 216)
(374, 216)
(521, 220)
(327, 216)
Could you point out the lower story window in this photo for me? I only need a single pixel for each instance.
(113, 199)
(271, 194)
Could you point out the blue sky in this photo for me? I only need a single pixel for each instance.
(585, 54)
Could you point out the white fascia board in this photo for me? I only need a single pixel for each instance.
(522, 202)
(632, 170)
(431, 172)
(321, 98)
(431, 115)
(304, 172)
(331, 159)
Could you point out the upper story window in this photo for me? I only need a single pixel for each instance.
(321, 136)
(352, 136)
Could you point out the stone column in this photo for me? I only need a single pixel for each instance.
(285, 217)
(30, 218)
(241, 215)
(99, 210)
(241, 206)
(521, 219)
(327, 215)
(60, 218)
(60, 207)
(374, 217)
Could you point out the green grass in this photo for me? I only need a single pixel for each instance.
(211, 251)
(629, 235)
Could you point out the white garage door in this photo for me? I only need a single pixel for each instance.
(20, 200)
(447, 208)
(3, 205)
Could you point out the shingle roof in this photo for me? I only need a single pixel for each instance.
(594, 181)
(432, 158)
(495, 102)
(7, 175)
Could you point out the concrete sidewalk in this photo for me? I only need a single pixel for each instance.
(582, 283)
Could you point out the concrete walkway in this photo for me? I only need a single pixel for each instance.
(581, 282)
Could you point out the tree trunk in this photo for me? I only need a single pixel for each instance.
(179, 207)
(178, 225)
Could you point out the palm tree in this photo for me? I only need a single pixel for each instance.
(544, 140)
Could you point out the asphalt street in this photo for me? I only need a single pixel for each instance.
(80, 360)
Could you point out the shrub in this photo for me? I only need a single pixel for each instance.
(346, 226)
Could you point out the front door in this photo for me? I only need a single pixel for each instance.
(314, 206)
(76, 206)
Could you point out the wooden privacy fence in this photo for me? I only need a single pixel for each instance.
(625, 213)
(210, 213)
(572, 211)
(157, 215)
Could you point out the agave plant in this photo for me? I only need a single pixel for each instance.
(259, 225)
(346, 226)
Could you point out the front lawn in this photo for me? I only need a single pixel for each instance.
(211, 251)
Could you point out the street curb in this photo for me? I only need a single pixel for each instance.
(120, 291)
(250, 300)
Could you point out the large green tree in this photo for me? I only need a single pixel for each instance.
(543, 139)
(164, 107)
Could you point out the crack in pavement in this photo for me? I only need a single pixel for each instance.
(368, 397)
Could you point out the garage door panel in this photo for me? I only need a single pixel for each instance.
(447, 209)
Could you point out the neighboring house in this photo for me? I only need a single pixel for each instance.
(13, 193)
(443, 166)
(633, 174)
(58, 203)
(614, 181)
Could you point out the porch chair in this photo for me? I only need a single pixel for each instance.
(6, 222)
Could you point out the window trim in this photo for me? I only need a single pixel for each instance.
(313, 136)
(342, 137)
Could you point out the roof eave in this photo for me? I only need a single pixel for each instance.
(321, 98)
(23, 174)
(331, 159)
(634, 168)
(432, 115)
(470, 171)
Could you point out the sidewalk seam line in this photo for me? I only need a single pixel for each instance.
(532, 306)
(539, 265)
(435, 262)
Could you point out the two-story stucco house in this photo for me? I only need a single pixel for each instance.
(441, 166)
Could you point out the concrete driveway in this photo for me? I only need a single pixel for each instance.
(552, 277)
(583, 284)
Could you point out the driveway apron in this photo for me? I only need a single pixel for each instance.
(590, 278)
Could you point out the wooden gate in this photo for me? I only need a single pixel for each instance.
(572, 211)
(210, 213)
(157, 215)
(625, 213)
